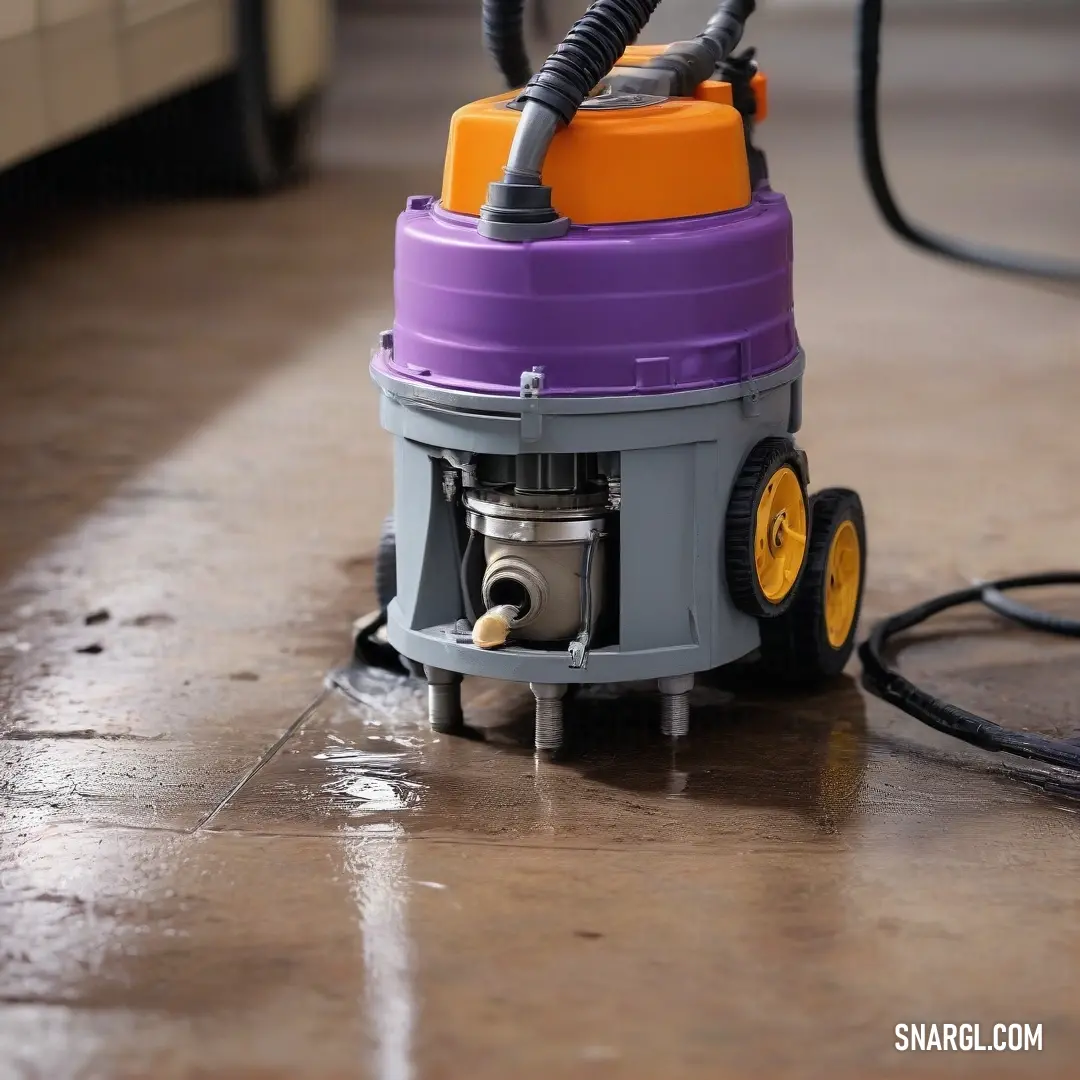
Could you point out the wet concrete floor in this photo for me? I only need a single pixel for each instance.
(216, 862)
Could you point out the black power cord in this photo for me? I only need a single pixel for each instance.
(1008, 608)
(885, 681)
(1008, 262)
(879, 676)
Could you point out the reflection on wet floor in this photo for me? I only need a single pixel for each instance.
(378, 869)
(830, 838)
(794, 766)
(366, 752)
(370, 781)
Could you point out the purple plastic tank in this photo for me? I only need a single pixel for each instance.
(604, 311)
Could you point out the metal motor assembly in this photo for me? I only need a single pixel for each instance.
(594, 383)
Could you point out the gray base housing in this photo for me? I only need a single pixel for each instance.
(679, 456)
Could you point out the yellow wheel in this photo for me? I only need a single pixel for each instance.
(843, 581)
(813, 640)
(766, 529)
(780, 534)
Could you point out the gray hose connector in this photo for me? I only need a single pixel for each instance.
(519, 206)
(504, 37)
(692, 62)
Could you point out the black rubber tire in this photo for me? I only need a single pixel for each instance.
(795, 648)
(764, 460)
(231, 138)
(386, 580)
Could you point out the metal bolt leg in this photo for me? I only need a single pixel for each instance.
(443, 699)
(549, 714)
(675, 705)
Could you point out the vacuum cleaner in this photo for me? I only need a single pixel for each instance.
(594, 387)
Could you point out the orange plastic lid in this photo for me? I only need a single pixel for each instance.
(677, 158)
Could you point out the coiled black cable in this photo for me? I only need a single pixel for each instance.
(504, 37)
(1032, 618)
(884, 681)
(587, 54)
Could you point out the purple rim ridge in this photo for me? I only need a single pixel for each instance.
(640, 308)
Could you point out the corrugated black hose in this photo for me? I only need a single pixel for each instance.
(725, 28)
(587, 54)
(518, 206)
(504, 37)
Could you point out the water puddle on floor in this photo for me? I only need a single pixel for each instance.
(366, 756)
(368, 781)
(755, 763)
